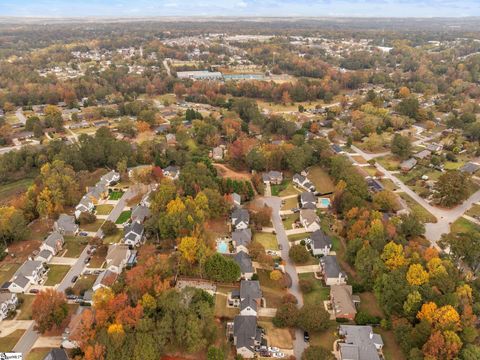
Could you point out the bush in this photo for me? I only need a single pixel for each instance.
(69, 291)
(86, 218)
(306, 285)
(302, 242)
(286, 316)
(316, 353)
(289, 299)
(363, 318)
(255, 276)
(299, 254)
(109, 228)
(313, 317)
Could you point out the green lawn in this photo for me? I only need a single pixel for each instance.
(300, 236)
(273, 291)
(14, 188)
(289, 220)
(74, 245)
(115, 195)
(326, 337)
(113, 239)
(277, 189)
(38, 354)
(56, 274)
(104, 209)
(84, 283)
(462, 225)
(124, 216)
(7, 343)
(268, 240)
(320, 178)
(26, 307)
(289, 190)
(474, 211)
(7, 271)
(221, 309)
(389, 162)
(319, 292)
(93, 226)
(290, 203)
(422, 214)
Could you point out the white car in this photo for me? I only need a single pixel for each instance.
(278, 355)
(273, 349)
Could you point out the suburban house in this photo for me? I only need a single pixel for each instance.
(246, 335)
(85, 205)
(97, 192)
(308, 200)
(272, 177)
(303, 182)
(117, 257)
(470, 168)
(162, 128)
(337, 149)
(30, 273)
(331, 271)
(105, 280)
(408, 165)
(53, 243)
(246, 267)
(66, 225)
(359, 342)
(217, 153)
(434, 147)
(374, 185)
(240, 218)
(133, 234)
(343, 301)
(110, 178)
(422, 154)
(309, 220)
(241, 239)
(8, 303)
(248, 298)
(321, 243)
(56, 354)
(140, 213)
(44, 256)
(172, 172)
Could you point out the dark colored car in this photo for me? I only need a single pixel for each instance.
(87, 260)
(75, 278)
(306, 336)
(34, 291)
(71, 297)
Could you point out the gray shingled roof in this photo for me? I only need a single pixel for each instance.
(140, 213)
(250, 288)
(330, 266)
(308, 200)
(359, 342)
(242, 237)
(67, 223)
(53, 239)
(240, 215)
(320, 240)
(244, 261)
(245, 331)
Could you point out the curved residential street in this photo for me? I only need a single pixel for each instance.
(275, 203)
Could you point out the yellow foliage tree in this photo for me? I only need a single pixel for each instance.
(427, 312)
(447, 318)
(404, 92)
(276, 275)
(188, 247)
(393, 255)
(416, 275)
(102, 297)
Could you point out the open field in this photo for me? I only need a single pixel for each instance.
(277, 337)
(56, 274)
(268, 240)
(11, 190)
(7, 343)
(423, 215)
(104, 209)
(320, 178)
(93, 226)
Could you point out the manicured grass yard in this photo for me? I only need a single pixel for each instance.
(296, 237)
(124, 216)
(26, 307)
(277, 189)
(93, 226)
(319, 292)
(423, 215)
(74, 245)
(84, 282)
(7, 271)
(320, 178)
(56, 274)
(290, 219)
(474, 211)
(289, 190)
(268, 240)
(7, 343)
(462, 225)
(104, 209)
(113, 239)
(115, 195)
(277, 337)
(98, 258)
(221, 309)
(290, 203)
(38, 353)
(273, 291)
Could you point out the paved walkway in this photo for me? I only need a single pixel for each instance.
(295, 231)
(276, 203)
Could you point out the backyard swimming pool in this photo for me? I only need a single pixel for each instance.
(324, 202)
(222, 247)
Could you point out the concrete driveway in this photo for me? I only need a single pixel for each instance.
(275, 203)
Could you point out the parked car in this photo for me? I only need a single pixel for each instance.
(306, 336)
(280, 247)
(273, 349)
(71, 297)
(74, 279)
(83, 233)
(87, 260)
(278, 355)
(34, 291)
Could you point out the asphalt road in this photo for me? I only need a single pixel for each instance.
(26, 341)
(275, 203)
(21, 118)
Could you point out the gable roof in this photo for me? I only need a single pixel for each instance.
(250, 288)
(408, 164)
(309, 216)
(320, 240)
(244, 261)
(245, 331)
(56, 354)
(135, 228)
(53, 239)
(116, 254)
(140, 213)
(28, 267)
(359, 341)
(21, 281)
(308, 200)
(242, 237)
(331, 267)
(67, 222)
(240, 215)
(342, 296)
(470, 168)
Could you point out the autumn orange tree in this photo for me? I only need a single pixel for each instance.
(49, 310)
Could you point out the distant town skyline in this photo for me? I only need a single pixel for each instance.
(319, 8)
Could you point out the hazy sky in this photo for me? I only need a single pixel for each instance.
(125, 8)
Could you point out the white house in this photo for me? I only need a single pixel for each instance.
(30, 273)
(309, 220)
(85, 205)
(8, 302)
(331, 271)
(303, 182)
(133, 234)
(111, 178)
(240, 218)
(321, 243)
(117, 258)
(53, 243)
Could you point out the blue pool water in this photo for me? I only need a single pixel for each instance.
(325, 202)
(222, 247)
